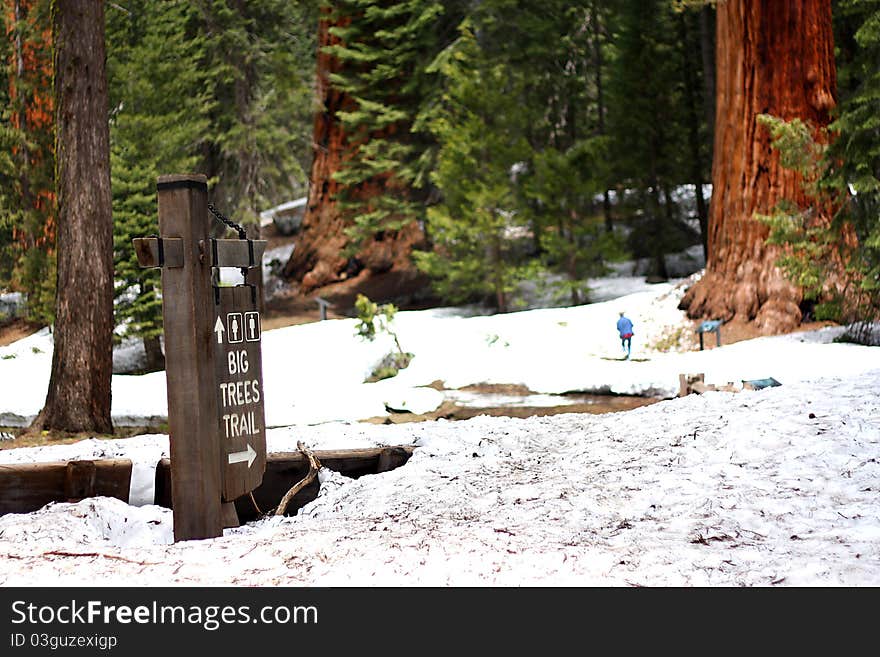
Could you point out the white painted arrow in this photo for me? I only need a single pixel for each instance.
(240, 457)
(218, 329)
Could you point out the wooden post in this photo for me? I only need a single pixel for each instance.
(188, 311)
(322, 307)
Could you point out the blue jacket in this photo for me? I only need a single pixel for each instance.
(624, 326)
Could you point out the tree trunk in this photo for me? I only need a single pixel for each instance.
(775, 58)
(82, 363)
(707, 47)
(696, 152)
(154, 356)
(319, 255)
(600, 102)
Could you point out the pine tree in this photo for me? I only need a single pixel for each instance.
(215, 87)
(646, 124)
(258, 62)
(158, 120)
(27, 166)
(78, 398)
(475, 229)
(385, 49)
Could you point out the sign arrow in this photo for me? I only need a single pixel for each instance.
(218, 329)
(240, 457)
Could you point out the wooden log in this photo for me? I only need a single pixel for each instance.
(283, 469)
(391, 458)
(26, 487)
(79, 481)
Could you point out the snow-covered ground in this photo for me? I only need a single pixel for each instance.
(776, 486)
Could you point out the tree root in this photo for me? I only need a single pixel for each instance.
(314, 466)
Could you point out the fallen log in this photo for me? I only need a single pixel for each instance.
(27, 487)
(284, 469)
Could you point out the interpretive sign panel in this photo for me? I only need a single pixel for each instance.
(239, 375)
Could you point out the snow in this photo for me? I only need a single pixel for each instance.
(778, 486)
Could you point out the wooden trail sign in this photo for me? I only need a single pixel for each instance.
(239, 376)
(213, 458)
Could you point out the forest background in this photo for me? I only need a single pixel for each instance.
(479, 144)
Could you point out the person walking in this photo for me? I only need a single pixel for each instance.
(625, 330)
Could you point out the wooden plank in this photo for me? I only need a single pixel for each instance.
(391, 458)
(284, 469)
(26, 487)
(230, 515)
(233, 253)
(156, 252)
(187, 305)
(79, 481)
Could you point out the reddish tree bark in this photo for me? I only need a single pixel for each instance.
(79, 389)
(772, 58)
(318, 257)
(31, 111)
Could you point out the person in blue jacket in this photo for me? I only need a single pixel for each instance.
(625, 329)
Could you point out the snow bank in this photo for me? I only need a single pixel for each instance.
(771, 487)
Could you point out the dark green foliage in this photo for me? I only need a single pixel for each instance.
(372, 320)
(258, 61)
(158, 116)
(522, 158)
(479, 238)
(649, 120)
(215, 87)
(384, 51)
(832, 242)
(27, 159)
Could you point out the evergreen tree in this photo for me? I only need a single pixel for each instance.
(78, 398)
(837, 261)
(384, 48)
(214, 86)
(258, 60)
(646, 123)
(158, 119)
(27, 163)
(475, 229)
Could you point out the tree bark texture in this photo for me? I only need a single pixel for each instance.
(775, 58)
(318, 257)
(79, 389)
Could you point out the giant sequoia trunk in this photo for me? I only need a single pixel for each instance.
(318, 257)
(776, 58)
(82, 362)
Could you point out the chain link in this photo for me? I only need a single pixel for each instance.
(242, 235)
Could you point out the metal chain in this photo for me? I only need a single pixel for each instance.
(242, 235)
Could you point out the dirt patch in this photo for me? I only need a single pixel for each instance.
(498, 389)
(23, 437)
(737, 330)
(450, 410)
(16, 329)
(408, 290)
